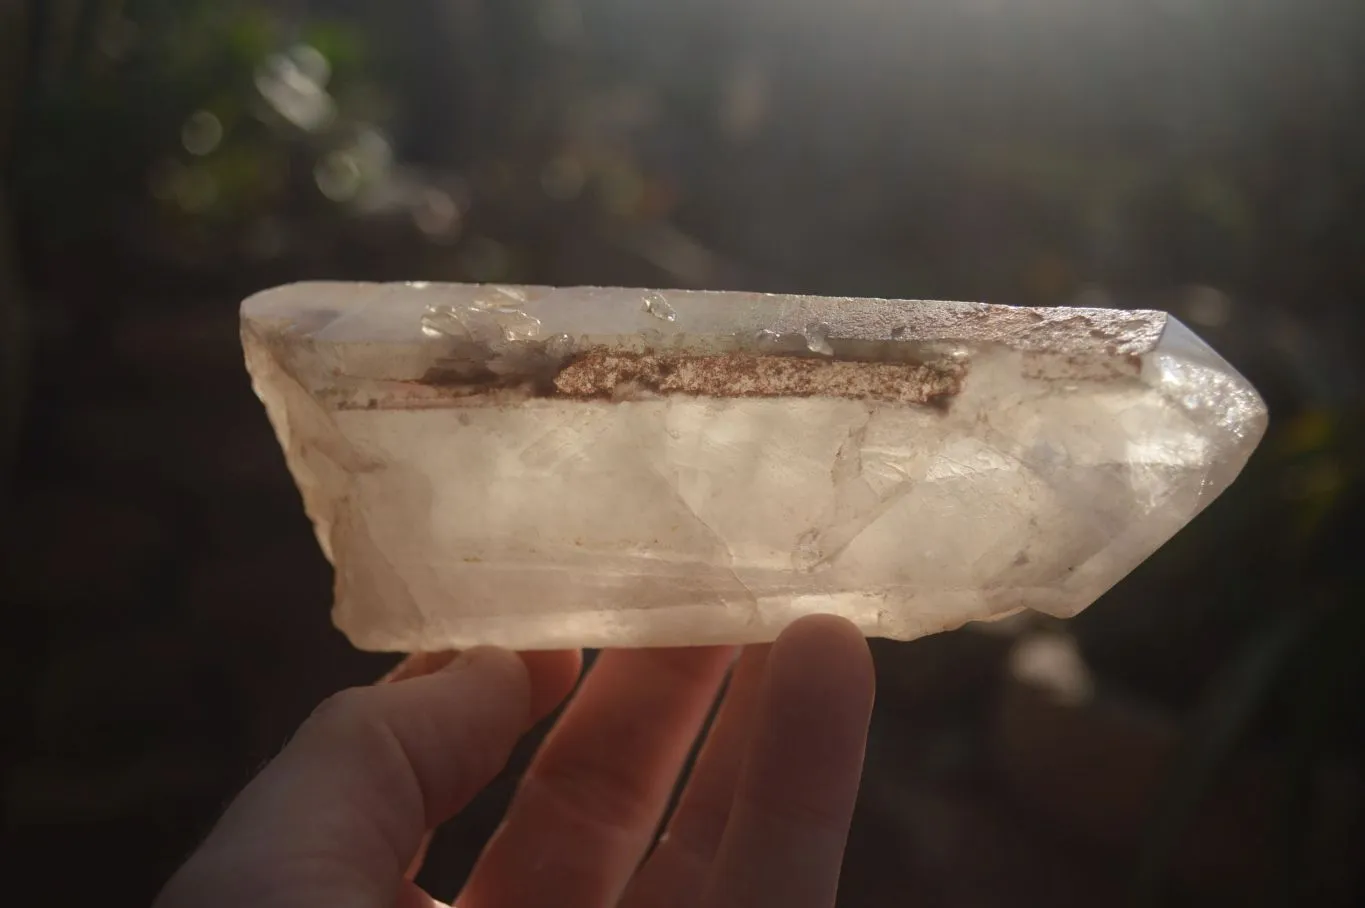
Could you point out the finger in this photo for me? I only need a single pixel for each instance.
(418, 664)
(337, 817)
(794, 799)
(676, 872)
(592, 798)
(553, 674)
(413, 896)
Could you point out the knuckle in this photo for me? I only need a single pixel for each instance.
(344, 710)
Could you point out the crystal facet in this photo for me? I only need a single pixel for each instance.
(534, 467)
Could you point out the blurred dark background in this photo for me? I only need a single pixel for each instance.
(1195, 738)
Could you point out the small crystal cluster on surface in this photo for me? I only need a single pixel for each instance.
(535, 467)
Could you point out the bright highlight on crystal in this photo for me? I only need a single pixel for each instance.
(534, 467)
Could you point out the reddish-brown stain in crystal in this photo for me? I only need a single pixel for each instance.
(613, 373)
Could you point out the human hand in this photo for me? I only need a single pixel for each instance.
(340, 817)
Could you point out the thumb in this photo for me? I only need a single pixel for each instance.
(339, 815)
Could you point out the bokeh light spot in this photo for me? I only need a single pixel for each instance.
(195, 189)
(338, 176)
(1208, 307)
(202, 133)
(311, 63)
(294, 86)
(437, 215)
(1053, 663)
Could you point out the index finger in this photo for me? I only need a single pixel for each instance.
(337, 817)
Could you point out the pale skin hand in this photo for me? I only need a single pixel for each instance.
(340, 817)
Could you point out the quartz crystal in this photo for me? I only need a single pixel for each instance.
(535, 467)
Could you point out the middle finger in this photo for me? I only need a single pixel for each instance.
(676, 873)
(591, 800)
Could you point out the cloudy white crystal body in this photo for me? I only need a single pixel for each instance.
(537, 503)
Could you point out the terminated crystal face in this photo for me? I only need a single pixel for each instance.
(535, 467)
